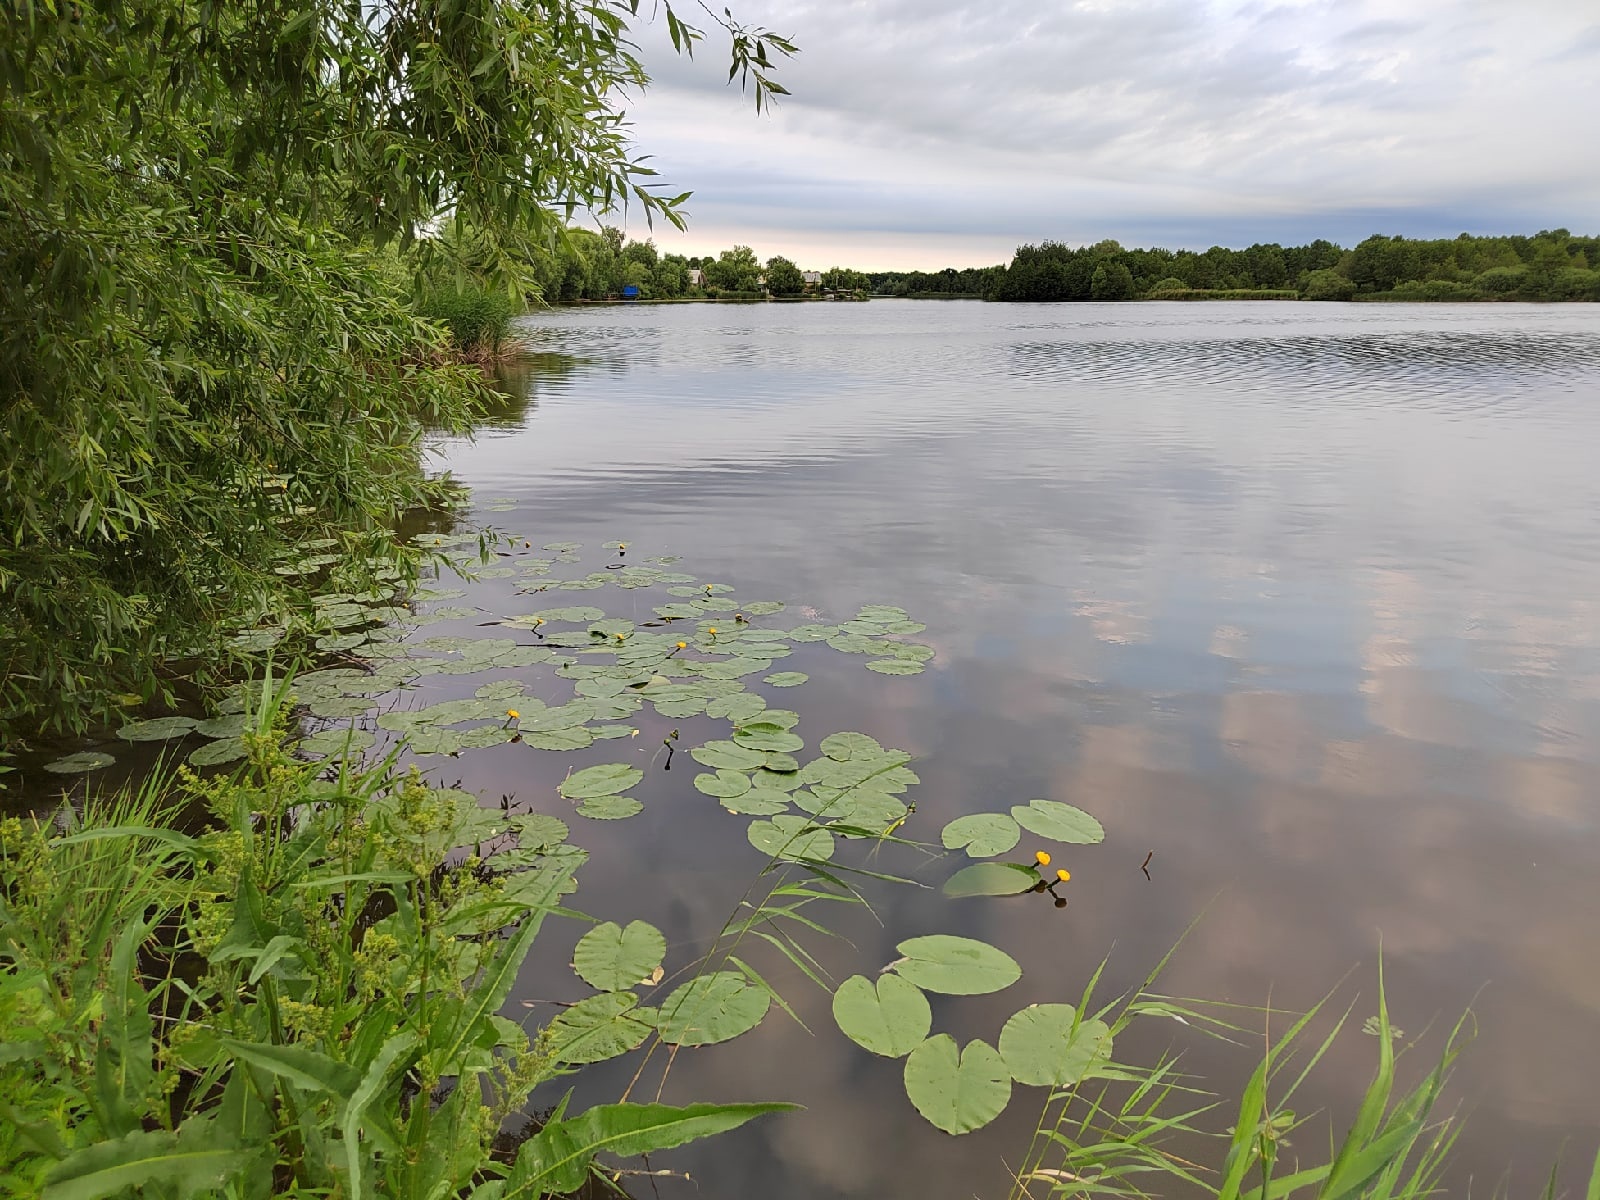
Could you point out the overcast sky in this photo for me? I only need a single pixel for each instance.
(930, 133)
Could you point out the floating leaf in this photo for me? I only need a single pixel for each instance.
(337, 741)
(158, 729)
(610, 957)
(843, 747)
(764, 735)
(539, 831)
(714, 1008)
(728, 756)
(790, 836)
(214, 754)
(575, 738)
(223, 727)
(1040, 1047)
(982, 835)
(80, 762)
(597, 1028)
(895, 666)
(764, 608)
(499, 689)
(607, 779)
(863, 808)
(781, 764)
(1059, 822)
(757, 802)
(957, 1091)
(787, 679)
(891, 1019)
(724, 784)
(610, 808)
(991, 879)
(956, 966)
(335, 643)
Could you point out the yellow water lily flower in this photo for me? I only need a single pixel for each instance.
(622, 637)
(513, 714)
(1042, 858)
(1063, 875)
(683, 645)
(712, 631)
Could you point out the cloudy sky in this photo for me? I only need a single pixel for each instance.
(929, 133)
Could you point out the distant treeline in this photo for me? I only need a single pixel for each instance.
(1551, 265)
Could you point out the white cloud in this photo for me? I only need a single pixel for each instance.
(945, 131)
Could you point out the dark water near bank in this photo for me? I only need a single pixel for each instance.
(1304, 599)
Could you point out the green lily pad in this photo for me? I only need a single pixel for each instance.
(575, 738)
(714, 1008)
(1059, 822)
(792, 837)
(214, 754)
(764, 735)
(723, 784)
(895, 666)
(991, 879)
(764, 608)
(981, 835)
(957, 1091)
(158, 729)
(955, 966)
(757, 802)
(843, 747)
(787, 679)
(224, 727)
(610, 808)
(597, 1028)
(80, 762)
(891, 1019)
(610, 957)
(499, 689)
(337, 741)
(729, 756)
(1040, 1047)
(334, 643)
(539, 831)
(607, 779)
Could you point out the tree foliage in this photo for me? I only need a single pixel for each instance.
(209, 347)
(784, 278)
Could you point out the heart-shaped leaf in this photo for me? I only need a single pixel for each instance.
(607, 779)
(991, 879)
(714, 1008)
(1059, 822)
(790, 836)
(982, 835)
(596, 1029)
(610, 957)
(891, 1019)
(957, 1091)
(1040, 1047)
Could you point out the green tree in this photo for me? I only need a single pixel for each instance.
(207, 355)
(735, 270)
(1111, 281)
(784, 278)
(1327, 285)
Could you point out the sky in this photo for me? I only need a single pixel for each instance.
(933, 133)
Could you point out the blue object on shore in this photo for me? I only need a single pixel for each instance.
(630, 292)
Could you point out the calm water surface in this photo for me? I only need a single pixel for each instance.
(1305, 599)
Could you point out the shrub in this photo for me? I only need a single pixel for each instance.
(1327, 285)
(1168, 285)
(1434, 289)
(478, 317)
(1502, 281)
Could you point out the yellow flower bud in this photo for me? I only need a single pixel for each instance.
(683, 645)
(1042, 858)
(513, 714)
(712, 630)
(1063, 875)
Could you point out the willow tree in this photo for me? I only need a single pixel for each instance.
(203, 354)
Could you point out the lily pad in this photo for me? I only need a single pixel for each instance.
(597, 1028)
(575, 738)
(610, 808)
(955, 966)
(224, 727)
(981, 835)
(337, 741)
(895, 666)
(891, 1019)
(957, 1091)
(787, 679)
(1059, 822)
(158, 729)
(539, 831)
(757, 802)
(1040, 1047)
(80, 762)
(843, 747)
(607, 779)
(214, 754)
(714, 1008)
(991, 879)
(764, 608)
(724, 784)
(724, 755)
(792, 837)
(764, 735)
(611, 957)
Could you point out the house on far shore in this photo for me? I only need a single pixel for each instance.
(697, 277)
(813, 279)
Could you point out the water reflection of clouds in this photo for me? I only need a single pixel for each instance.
(1282, 613)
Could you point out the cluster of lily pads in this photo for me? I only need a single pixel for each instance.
(700, 652)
